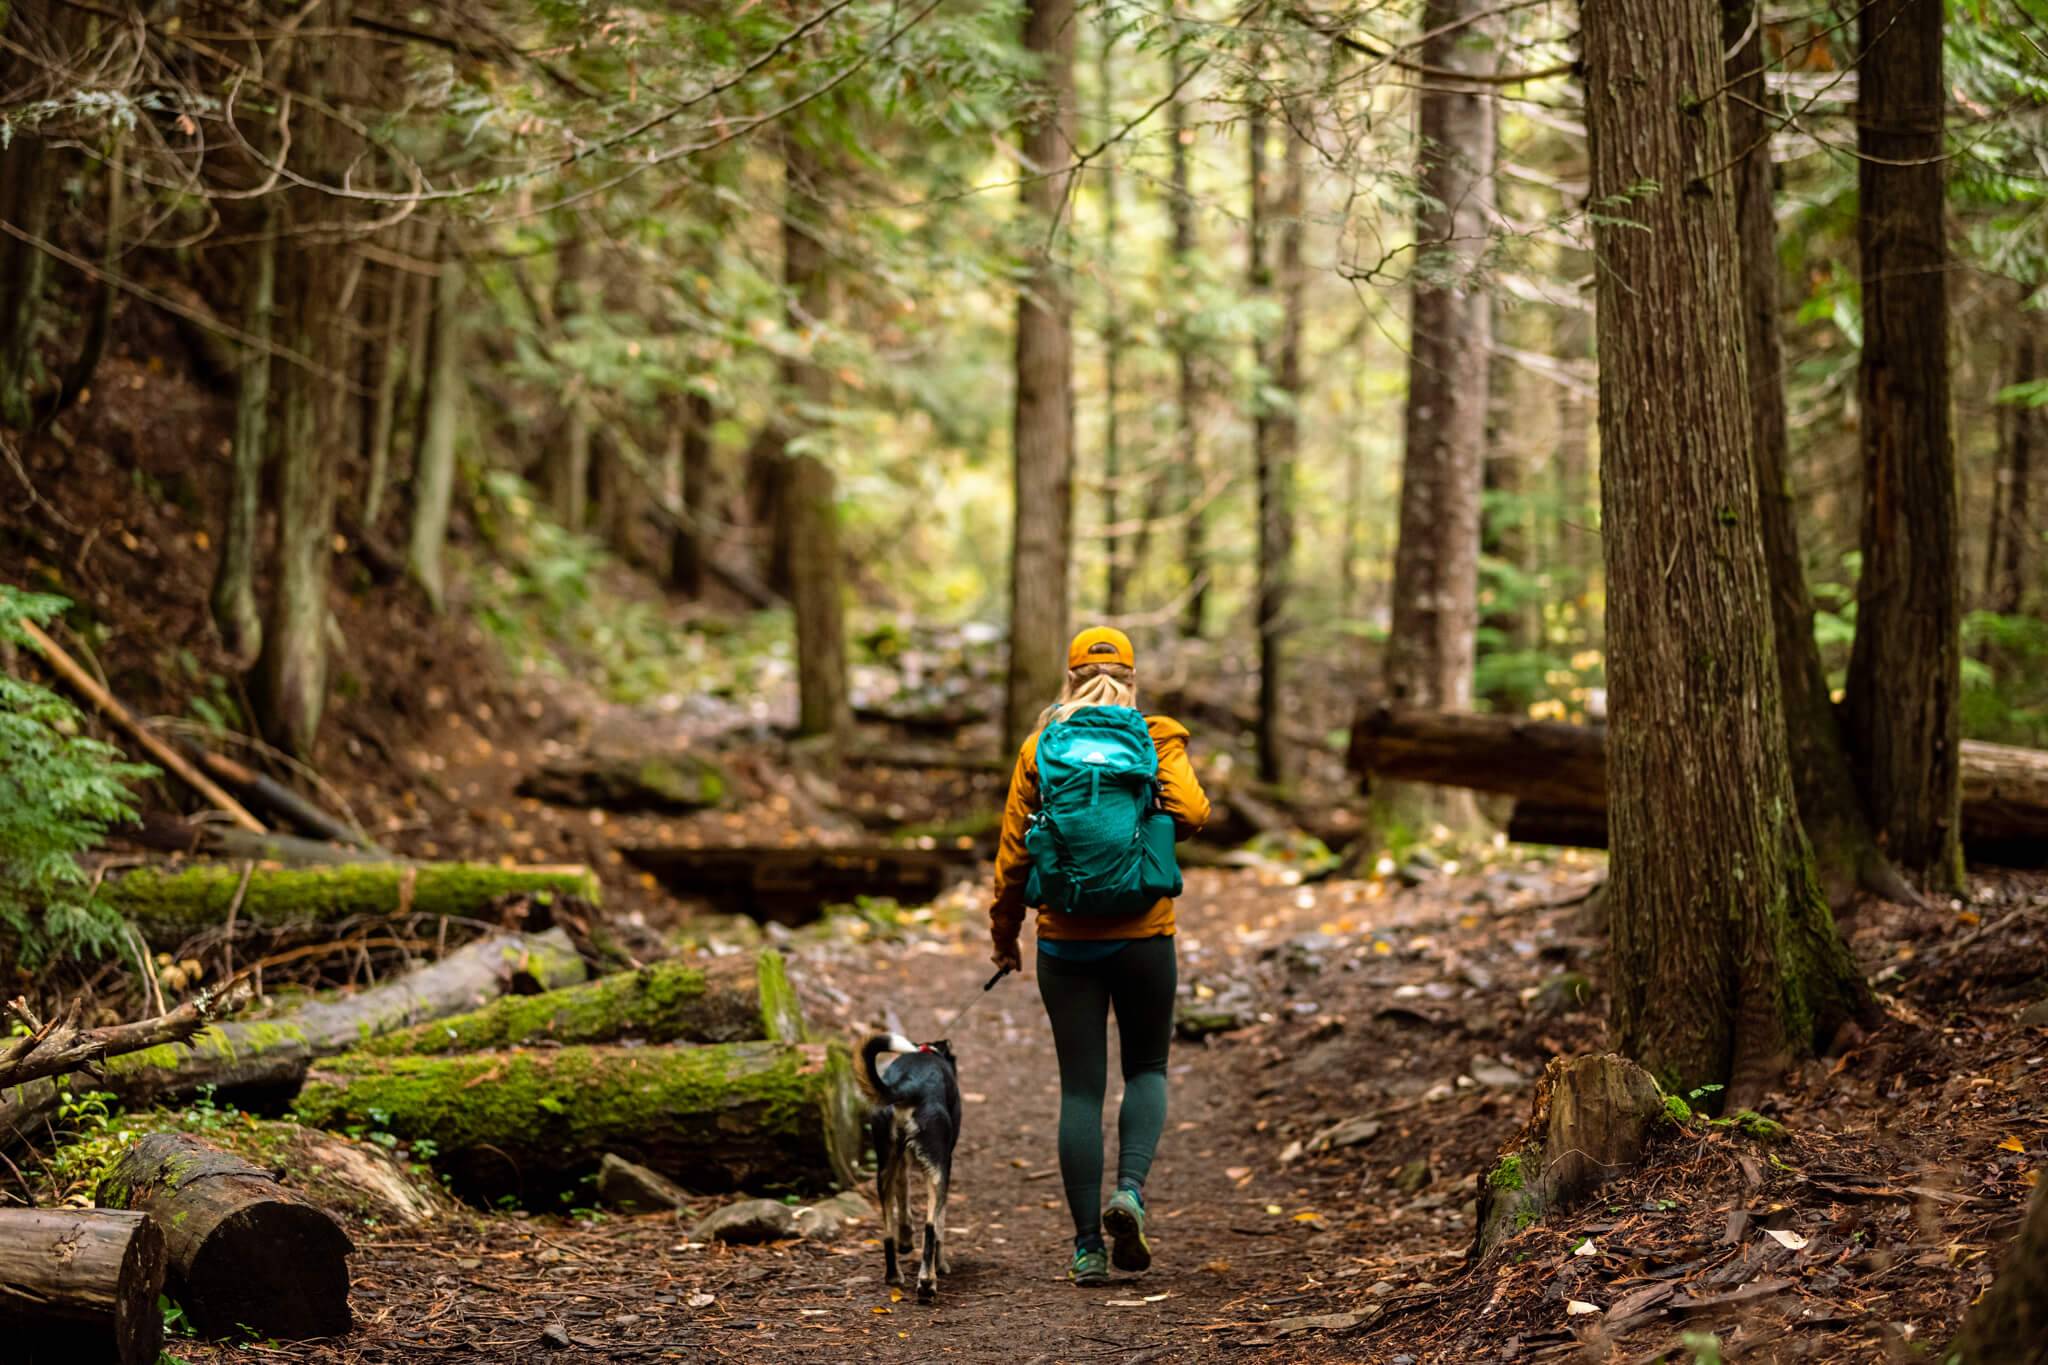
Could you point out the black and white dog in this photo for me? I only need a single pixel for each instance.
(914, 1124)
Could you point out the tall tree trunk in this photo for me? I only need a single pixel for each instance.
(691, 540)
(1115, 556)
(389, 361)
(26, 189)
(2026, 426)
(1504, 534)
(1275, 426)
(568, 464)
(1846, 855)
(808, 498)
(434, 469)
(1573, 554)
(1431, 638)
(235, 613)
(1187, 389)
(1042, 438)
(1725, 958)
(1905, 671)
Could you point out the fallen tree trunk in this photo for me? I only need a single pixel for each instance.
(169, 834)
(271, 1055)
(733, 999)
(79, 1287)
(794, 885)
(244, 1251)
(528, 1123)
(1557, 773)
(171, 906)
(262, 790)
(676, 782)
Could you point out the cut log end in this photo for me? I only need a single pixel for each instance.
(81, 1285)
(245, 1252)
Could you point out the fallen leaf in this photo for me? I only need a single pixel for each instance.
(1275, 1210)
(895, 1296)
(880, 1308)
(1236, 1172)
(1155, 1298)
(1579, 1307)
(701, 1300)
(1791, 1241)
(1586, 1248)
(2012, 1144)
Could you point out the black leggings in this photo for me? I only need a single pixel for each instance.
(1138, 981)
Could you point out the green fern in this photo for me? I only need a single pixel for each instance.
(59, 790)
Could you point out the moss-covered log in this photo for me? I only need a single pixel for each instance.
(79, 1287)
(678, 782)
(733, 999)
(722, 1116)
(171, 906)
(272, 1054)
(246, 1251)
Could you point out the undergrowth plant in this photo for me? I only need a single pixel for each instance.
(59, 790)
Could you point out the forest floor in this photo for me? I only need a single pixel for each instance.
(1859, 1229)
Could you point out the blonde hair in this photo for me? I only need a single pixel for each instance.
(1092, 685)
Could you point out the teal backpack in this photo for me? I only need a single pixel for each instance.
(1099, 845)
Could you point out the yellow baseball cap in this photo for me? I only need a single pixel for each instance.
(1101, 645)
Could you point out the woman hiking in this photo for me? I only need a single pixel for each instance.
(1098, 797)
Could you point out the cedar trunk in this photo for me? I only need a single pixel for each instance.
(1187, 389)
(1116, 558)
(2009, 1325)
(1846, 855)
(1436, 563)
(235, 613)
(26, 188)
(1725, 957)
(1905, 671)
(807, 516)
(2012, 531)
(1042, 437)
(1276, 430)
(434, 469)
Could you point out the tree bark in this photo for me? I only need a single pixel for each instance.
(690, 543)
(568, 465)
(2013, 534)
(1563, 767)
(808, 514)
(1116, 558)
(1905, 670)
(434, 468)
(2009, 1325)
(719, 1116)
(169, 906)
(245, 1251)
(1042, 440)
(235, 613)
(1436, 562)
(1187, 387)
(1846, 855)
(1275, 425)
(1725, 958)
(26, 189)
(80, 1286)
(714, 1000)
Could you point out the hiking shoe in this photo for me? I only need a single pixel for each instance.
(1124, 1221)
(1090, 1267)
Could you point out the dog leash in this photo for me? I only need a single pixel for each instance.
(976, 998)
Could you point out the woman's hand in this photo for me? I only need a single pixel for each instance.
(1007, 955)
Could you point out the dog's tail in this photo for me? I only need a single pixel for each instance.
(870, 1077)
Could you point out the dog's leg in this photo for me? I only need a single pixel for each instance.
(892, 1272)
(899, 1213)
(934, 1210)
(945, 1257)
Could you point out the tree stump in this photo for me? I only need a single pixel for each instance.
(1591, 1119)
(79, 1287)
(245, 1251)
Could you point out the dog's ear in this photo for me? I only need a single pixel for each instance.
(943, 1048)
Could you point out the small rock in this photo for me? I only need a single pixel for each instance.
(1351, 1132)
(555, 1336)
(1321, 1322)
(1437, 1093)
(1291, 1153)
(1494, 1076)
(826, 1220)
(700, 1300)
(634, 1189)
(1412, 1177)
(749, 1221)
(1563, 993)
(1379, 1289)
(2035, 1015)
